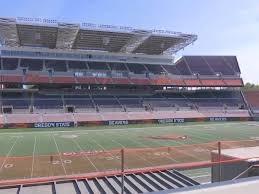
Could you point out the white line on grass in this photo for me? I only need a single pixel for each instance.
(154, 149)
(208, 134)
(8, 154)
(126, 150)
(85, 156)
(33, 155)
(59, 155)
(118, 129)
(183, 144)
(110, 153)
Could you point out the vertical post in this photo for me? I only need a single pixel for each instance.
(122, 171)
(219, 159)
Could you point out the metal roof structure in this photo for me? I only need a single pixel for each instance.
(134, 183)
(34, 32)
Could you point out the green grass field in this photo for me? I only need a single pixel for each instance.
(39, 144)
(29, 142)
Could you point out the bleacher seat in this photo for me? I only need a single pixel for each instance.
(252, 98)
(143, 81)
(234, 82)
(12, 78)
(212, 82)
(85, 80)
(218, 64)
(32, 64)
(137, 68)
(198, 65)
(77, 65)
(182, 67)
(192, 82)
(62, 79)
(123, 81)
(56, 65)
(155, 69)
(10, 63)
(103, 80)
(35, 78)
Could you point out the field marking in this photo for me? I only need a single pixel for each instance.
(112, 155)
(182, 143)
(85, 156)
(7, 155)
(122, 129)
(33, 155)
(200, 134)
(59, 154)
(149, 147)
(126, 150)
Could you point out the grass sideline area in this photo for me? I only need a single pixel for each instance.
(30, 153)
(114, 137)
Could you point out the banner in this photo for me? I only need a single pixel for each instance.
(170, 121)
(53, 124)
(213, 119)
(122, 122)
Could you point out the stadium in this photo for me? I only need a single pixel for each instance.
(90, 108)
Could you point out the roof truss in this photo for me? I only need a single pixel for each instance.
(56, 35)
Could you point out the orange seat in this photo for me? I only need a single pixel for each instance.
(212, 82)
(11, 78)
(85, 80)
(35, 78)
(192, 82)
(235, 82)
(63, 79)
(120, 80)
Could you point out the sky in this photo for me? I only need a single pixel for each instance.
(224, 27)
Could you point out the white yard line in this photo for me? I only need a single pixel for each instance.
(154, 149)
(209, 135)
(110, 153)
(8, 154)
(59, 155)
(153, 141)
(85, 156)
(180, 143)
(142, 158)
(122, 129)
(33, 155)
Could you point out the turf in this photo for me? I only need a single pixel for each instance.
(30, 153)
(28, 142)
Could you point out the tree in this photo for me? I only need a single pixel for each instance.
(252, 86)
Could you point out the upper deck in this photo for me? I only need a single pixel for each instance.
(44, 33)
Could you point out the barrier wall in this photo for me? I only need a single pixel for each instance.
(122, 122)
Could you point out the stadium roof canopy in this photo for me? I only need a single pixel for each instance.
(19, 32)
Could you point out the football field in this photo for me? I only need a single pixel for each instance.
(32, 153)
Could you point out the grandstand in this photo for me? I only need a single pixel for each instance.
(55, 74)
(252, 98)
(60, 72)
